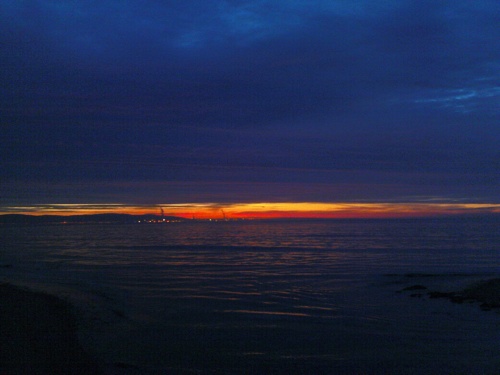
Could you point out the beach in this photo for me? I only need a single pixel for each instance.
(39, 331)
(38, 335)
(315, 297)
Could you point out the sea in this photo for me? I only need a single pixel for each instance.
(269, 296)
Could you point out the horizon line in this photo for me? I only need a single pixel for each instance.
(264, 210)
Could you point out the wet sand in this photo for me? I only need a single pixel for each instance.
(38, 331)
(38, 335)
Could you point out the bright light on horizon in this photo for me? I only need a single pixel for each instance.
(262, 210)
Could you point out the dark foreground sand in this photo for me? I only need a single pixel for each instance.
(38, 331)
(38, 335)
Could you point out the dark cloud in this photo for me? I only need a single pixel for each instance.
(195, 92)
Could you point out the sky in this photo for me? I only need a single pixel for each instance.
(141, 104)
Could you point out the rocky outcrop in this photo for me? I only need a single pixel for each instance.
(486, 293)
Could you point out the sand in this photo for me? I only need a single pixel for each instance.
(38, 335)
(38, 331)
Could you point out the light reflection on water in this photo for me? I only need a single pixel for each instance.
(312, 296)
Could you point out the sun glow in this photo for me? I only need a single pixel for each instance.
(265, 210)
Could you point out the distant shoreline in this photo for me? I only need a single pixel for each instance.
(83, 219)
(13, 219)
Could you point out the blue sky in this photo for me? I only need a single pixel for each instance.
(141, 102)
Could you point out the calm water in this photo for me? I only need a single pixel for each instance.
(268, 297)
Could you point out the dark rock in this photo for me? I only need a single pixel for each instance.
(415, 287)
(486, 293)
(417, 295)
(118, 313)
(441, 294)
(485, 307)
(457, 299)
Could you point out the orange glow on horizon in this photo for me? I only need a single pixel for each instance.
(337, 210)
(266, 210)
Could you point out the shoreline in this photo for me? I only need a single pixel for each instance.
(39, 330)
(39, 335)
